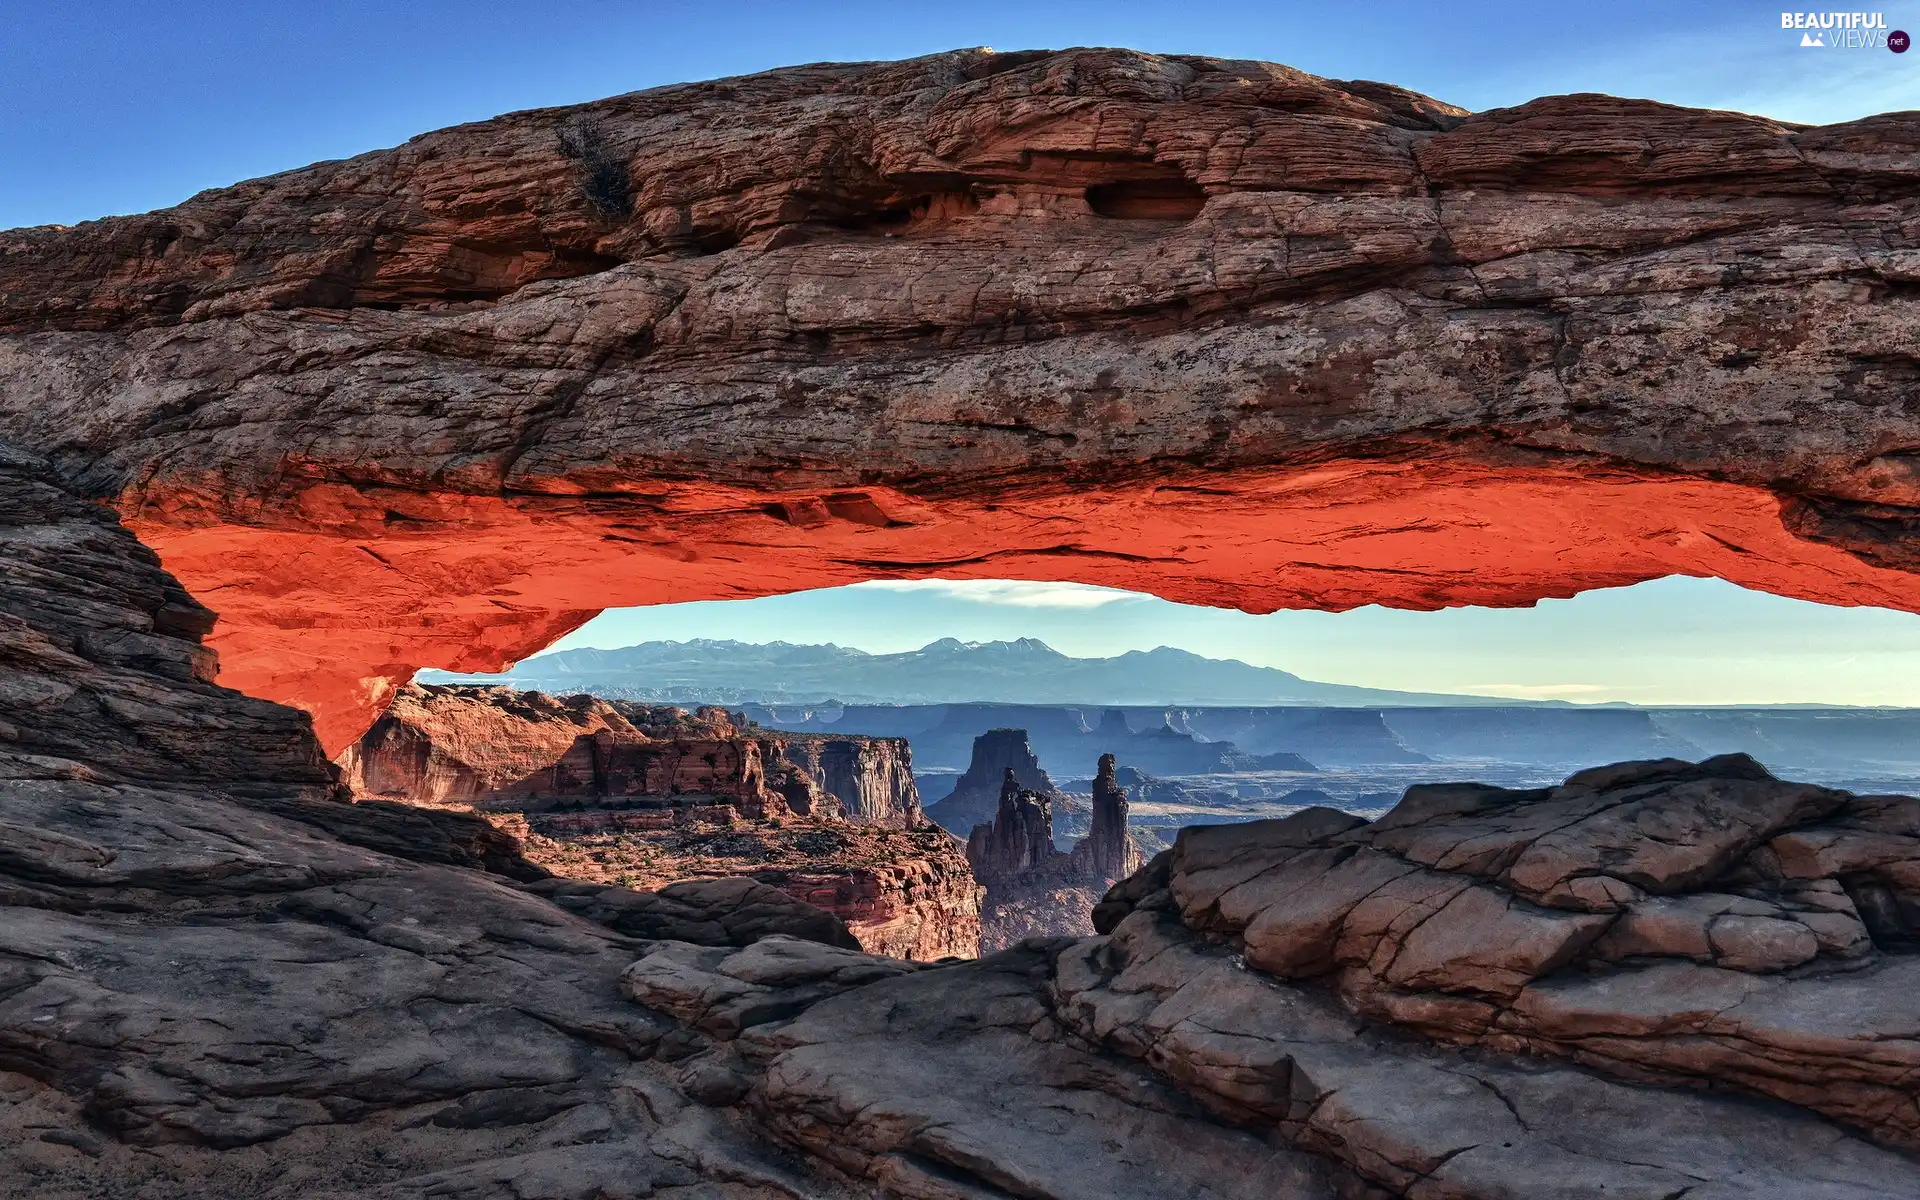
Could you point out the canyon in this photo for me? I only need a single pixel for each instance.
(218, 976)
(642, 797)
(1218, 330)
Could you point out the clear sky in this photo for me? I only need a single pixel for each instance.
(116, 106)
(1671, 641)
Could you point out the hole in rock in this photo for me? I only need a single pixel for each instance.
(1147, 200)
(797, 739)
(897, 217)
(802, 734)
(715, 241)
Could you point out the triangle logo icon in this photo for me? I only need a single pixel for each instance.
(1810, 39)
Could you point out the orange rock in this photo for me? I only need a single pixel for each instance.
(334, 624)
(612, 792)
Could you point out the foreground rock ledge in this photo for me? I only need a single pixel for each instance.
(218, 979)
(1218, 330)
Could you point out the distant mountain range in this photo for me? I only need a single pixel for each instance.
(948, 671)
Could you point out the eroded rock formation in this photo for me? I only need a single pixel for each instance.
(497, 748)
(640, 796)
(975, 798)
(1108, 851)
(1218, 330)
(1034, 890)
(218, 978)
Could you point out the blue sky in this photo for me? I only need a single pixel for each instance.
(1671, 641)
(115, 106)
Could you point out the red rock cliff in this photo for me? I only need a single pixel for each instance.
(496, 747)
(1218, 330)
(614, 792)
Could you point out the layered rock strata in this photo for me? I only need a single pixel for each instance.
(219, 978)
(496, 748)
(1218, 330)
(1014, 1076)
(1033, 890)
(608, 792)
(1696, 923)
(212, 984)
(904, 893)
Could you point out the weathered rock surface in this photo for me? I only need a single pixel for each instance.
(644, 796)
(218, 978)
(1218, 330)
(1660, 920)
(1011, 1077)
(726, 911)
(504, 750)
(907, 893)
(1421, 1121)
(211, 986)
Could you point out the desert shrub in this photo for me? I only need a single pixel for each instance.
(604, 178)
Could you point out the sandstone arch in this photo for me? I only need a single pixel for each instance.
(436, 405)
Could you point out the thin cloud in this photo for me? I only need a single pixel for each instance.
(1539, 691)
(1011, 593)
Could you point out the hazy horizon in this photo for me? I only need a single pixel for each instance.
(1673, 641)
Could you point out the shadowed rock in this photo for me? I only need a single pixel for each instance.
(1206, 328)
(1034, 890)
(608, 792)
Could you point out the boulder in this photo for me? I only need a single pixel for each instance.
(1659, 920)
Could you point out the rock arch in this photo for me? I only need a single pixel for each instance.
(437, 404)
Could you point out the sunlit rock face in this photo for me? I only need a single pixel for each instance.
(1220, 331)
(495, 747)
(608, 793)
